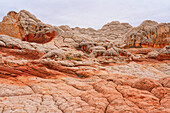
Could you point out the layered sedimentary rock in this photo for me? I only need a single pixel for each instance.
(27, 27)
(160, 54)
(149, 34)
(110, 31)
(78, 71)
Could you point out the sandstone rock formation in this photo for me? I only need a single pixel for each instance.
(161, 54)
(112, 33)
(149, 34)
(77, 70)
(109, 31)
(27, 27)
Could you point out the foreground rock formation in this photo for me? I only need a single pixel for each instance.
(62, 69)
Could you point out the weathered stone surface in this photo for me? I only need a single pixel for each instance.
(148, 34)
(165, 100)
(146, 84)
(143, 99)
(79, 71)
(165, 81)
(159, 92)
(162, 54)
(27, 27)
(43, 85)
(121, 105)
(110, 32)
(153, 54)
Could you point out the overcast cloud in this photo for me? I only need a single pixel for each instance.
(90, 13)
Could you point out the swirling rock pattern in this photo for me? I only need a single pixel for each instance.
(149, 34)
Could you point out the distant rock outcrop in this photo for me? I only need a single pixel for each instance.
(27, 27)
(149, 34)
(112, 32)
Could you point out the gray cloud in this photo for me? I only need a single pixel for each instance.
(91, 13)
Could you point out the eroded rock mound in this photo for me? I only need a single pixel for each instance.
(27, 27)
(111, 32)
(149, 34)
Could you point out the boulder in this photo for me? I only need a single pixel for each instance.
(27, 27)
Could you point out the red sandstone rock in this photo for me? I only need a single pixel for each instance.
(166, 100)
(27, 27)
(159, 92)
(46, 84)
(143, 99)
(121, 105)
(165, 81)
(146, 84)
(143, 51)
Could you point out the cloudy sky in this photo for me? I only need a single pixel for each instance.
(90, 13)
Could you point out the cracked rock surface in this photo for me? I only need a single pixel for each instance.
(38, 79)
